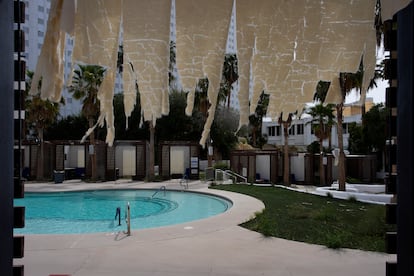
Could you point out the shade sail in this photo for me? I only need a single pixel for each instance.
(291, 45)
(284, 48)
(202, 28)
(49, 67)
(146, 37)
(97, 29)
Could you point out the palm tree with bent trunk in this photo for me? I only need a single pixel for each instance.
(85, 85)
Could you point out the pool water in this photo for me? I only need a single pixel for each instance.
(95, 211)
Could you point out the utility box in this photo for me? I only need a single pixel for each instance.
(58, 176)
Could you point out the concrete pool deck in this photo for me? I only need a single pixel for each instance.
(213, 246)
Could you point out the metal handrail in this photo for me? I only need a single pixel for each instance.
(128, 219)
(159, 189)
(229, 174)
(236, 175)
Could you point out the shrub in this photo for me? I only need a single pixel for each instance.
(334, 241)
(221, 166)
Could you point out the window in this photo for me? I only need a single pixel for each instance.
(345, 128)
(40, 8)
(40, 21)
(271, 131)
(278, 132)
(292, 130)
(313, 129)
(40, 33)
(299, 129)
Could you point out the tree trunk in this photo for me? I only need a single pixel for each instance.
(286, 165)
(228, 97)
(92, 156)
(330, 139)
(322, 181)
(151, 174)
(341, 164)
(210, 152)
(40, 157)
(254, 137)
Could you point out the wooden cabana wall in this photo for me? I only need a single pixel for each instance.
(189, 152)
(243, 162)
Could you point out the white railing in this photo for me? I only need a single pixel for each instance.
(128, 220)
(223, 177)
(237, 176)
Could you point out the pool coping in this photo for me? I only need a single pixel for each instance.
(243, 209)
(212, 246)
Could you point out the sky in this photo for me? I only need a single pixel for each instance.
(377, 93)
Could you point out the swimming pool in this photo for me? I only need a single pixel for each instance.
(94, 211)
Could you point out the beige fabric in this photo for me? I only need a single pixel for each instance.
(391, 7)
(97, 27)
(68, 16)
(49, 66)
(285, 47)
(345, 46)
(146, 46)
(296, 44)
(202, 28)
(369, 60)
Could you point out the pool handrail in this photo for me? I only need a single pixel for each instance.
(159, 189)
(237, 175)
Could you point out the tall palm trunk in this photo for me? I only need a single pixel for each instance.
(40, 156)
(254, 136)
(322, 181)
(151, 173)
(341, 164)
(286, 165)
(92, 156)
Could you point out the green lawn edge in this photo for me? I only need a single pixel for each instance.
(313, 219)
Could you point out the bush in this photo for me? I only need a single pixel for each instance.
(221, 166)
(334, 241)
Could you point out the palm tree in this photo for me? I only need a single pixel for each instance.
(172, 67)
(85, 86)
(40, 114)
(202, 104)
(256, 119)
(356, 80)
(230, 75)
(322, 122)
(349, 81)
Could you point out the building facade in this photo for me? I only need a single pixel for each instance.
(301, 134)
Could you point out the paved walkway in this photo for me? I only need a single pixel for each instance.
(214, 246)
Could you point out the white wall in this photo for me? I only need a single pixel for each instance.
(75, 156)
(125, 160)
(179, 159)
(263, 166)
(297, 166)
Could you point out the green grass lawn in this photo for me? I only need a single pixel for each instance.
(314, 219)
